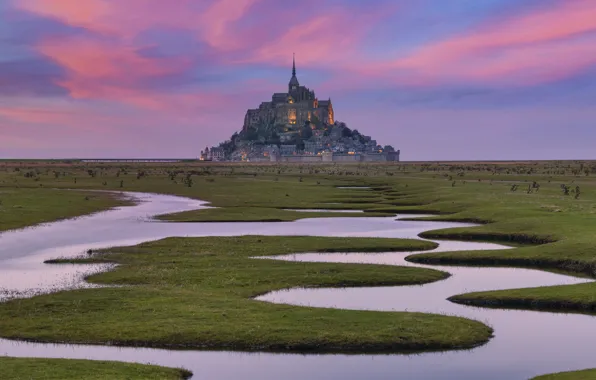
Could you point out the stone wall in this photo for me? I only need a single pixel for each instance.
(347, 157)
(334, 157)
(375, 157)
(260, 159)
(301, 159)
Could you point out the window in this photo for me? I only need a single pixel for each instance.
(292, 116)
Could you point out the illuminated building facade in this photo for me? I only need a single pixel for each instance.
(291, 110)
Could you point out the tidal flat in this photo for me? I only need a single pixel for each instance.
(26, 207)
(62, 369)
(589, 374)
(181, 281)
(549, 213)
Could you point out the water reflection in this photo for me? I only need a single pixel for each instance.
(321, 210)
(526, 343)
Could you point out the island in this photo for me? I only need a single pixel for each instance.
(295, 126)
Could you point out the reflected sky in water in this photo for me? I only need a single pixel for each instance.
(525, 343)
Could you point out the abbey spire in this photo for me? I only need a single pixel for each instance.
(293, 85)
(295, 126)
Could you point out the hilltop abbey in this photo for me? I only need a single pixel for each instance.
(291, 110)
(295, 126)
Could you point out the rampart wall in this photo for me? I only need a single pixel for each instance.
(328, 157)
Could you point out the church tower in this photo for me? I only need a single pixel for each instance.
(293, 85)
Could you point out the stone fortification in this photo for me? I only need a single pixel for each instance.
(295, 126)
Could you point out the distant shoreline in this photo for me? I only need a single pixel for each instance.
(174, 160)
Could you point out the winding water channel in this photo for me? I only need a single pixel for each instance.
(526, 343)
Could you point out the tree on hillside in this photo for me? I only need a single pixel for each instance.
(250, 134)
(230, 145)
(346, 132)
(358, 135)
(306, 132)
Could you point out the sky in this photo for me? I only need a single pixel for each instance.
(437, 79)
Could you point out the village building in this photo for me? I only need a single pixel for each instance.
(296, 126)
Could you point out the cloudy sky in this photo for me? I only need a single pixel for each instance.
(438, 79)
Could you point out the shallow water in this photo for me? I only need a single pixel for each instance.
(322, 210)
(354, 187)
(525, 344)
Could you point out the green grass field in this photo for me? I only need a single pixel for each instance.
(589, 374)
(255, 214)
(580, 298)
(25, 207)
(58, 369)
(548, 215)
(558, 226)
(196, 293)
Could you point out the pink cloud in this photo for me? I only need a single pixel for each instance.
(114, 69)
(32, 115)
(322, 40)
(87, 129)
(101, 70)
(94, 15)
(548, 41)
(546, 25)
(93, 59)
(69, 115)
(215, 22)
(535, 64)
(500, 48)
(209, 20)
(54, 123)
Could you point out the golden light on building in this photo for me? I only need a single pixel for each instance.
(292, 116)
